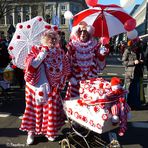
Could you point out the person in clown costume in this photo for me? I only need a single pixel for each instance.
(86, 56)
(46, 71)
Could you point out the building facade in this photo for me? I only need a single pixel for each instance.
(140, 13)
(51, 10)
(141, 16)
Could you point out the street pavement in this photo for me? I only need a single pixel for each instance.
(11, 111)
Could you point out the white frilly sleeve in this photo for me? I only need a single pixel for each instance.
(39, 59)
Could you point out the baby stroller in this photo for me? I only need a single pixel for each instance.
(6, 77)
(91, 120)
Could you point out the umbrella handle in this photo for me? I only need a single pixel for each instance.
(102, 21)
(102, 27)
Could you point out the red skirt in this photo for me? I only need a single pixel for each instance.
(45, 119)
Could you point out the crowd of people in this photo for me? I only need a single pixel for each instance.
(50, 65)
(4, 55)
(5, 61)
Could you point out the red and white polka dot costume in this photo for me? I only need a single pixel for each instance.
(45, 76)
(86, 62)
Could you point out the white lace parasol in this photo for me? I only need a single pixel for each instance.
(26, 35)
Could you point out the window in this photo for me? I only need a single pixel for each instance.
(18, 9)
(63, 8)
(62, 20)
(27, 17)
(48, 18)
(75, 9)
(48, 7)
(19, 19)
(26, 9)
(34, 11)
(10, 19)
(2, 20)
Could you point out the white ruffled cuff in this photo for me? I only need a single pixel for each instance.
(40, 57)
(103, 50)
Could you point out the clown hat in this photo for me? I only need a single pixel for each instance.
(115, 83)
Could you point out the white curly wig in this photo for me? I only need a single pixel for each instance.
(75, 30)
(49, 34)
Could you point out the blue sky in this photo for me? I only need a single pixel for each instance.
(118, 3)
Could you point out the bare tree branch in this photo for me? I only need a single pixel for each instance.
(5, 7)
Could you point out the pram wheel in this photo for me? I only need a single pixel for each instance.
(114, 144)
(65, 143)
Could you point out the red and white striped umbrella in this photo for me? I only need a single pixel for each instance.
(108, 20)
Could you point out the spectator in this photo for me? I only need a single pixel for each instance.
(111, 46)
(145, 50)
(4, 55)
(19, 77)
(7, 41)
(122, 47)
(146, 57)
(63, 42)
(133, 61)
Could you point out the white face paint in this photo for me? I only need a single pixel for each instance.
(51, 42)
(84, 35)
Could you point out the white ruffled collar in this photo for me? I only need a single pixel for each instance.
(83, 44)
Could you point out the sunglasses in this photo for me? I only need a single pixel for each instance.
(84, 31)
(53, 39)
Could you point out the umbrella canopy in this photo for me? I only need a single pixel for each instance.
(26, 35)
(108, 20)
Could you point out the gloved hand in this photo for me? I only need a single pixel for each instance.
(73, 81)
(103, 50)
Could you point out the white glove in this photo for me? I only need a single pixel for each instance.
(103, 50)
(73, 81)
(40, 57)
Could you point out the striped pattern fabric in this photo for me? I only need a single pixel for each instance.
(85, 63)
(103, 18)
(115, 109)
(45, 119)
(72, 91)
(32, 75)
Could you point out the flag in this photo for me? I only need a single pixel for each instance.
(70, 24)
(56, 20)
